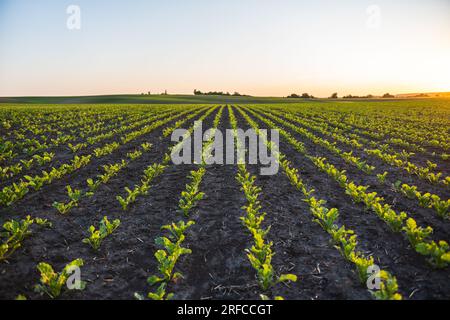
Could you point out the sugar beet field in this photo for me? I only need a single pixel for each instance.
(359, 208)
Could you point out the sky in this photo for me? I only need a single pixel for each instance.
(256, 47)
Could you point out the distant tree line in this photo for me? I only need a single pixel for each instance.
(369, 96)
(303, 96)
(219, 93)
(149, 93)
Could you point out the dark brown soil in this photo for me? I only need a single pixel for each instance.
(218, 267)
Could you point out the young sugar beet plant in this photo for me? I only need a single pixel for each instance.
(167, 258)
(149, 175)
(74, 195)
(96, 237)
(192, 194)
(14, 232)
(427, 200)
(53, 283)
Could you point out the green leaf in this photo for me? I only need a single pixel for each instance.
(287, 277)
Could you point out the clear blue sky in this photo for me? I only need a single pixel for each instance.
(258, 47)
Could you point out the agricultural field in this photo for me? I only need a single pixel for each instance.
(361, 186)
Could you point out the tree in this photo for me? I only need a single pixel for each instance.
(303, 96)
(387, 95)
(334, 96)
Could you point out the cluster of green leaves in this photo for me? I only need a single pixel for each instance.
(53, 283)
(422, 172)
(427, 200)
(146, 146)
(150, 173)
(77, 147)
(388, 287)
(10, 171)
(382, 177)
(168, 131)
(192, 194)
(109, 172)
(105, 229)
(14, 232)
(106, 149)
(134, 155)
(167, 258)
(46, 157)
(74, 196)
(15, 192)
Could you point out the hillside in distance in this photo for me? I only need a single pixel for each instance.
(190, 99)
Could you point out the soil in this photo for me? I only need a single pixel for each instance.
(218, 267)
